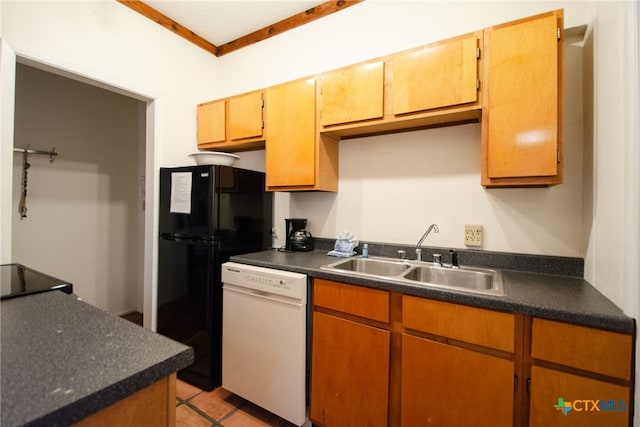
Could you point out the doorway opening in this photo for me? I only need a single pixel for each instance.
(85, 220)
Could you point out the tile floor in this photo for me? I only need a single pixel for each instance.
(216, 408)
(198, 408)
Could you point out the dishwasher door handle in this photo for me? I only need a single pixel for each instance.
(261, 294)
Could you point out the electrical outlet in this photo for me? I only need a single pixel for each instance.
(473, 235)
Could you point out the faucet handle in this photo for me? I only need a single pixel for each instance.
(402, 254)
(454, 259)
(437, 259)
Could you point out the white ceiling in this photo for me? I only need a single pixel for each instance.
(222, 21)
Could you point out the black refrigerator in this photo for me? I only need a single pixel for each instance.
(207, 214)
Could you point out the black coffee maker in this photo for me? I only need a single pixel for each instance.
(298, 239)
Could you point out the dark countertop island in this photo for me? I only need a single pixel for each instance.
(63, 360)
(555, 297)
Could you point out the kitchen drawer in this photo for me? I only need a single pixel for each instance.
(473, 325)
(357, 300)
(595, 350)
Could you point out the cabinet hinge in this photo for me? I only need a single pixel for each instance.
(477, 84)
(558, 34)
(262, 103)
(477, 53)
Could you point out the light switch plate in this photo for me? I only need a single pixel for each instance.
(473, 235)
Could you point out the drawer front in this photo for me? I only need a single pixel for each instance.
(473, 325)
(357, 300)
(595, 350)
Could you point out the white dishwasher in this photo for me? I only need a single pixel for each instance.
(264, 324)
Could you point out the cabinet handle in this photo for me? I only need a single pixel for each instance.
(515, 383)
(528, 385)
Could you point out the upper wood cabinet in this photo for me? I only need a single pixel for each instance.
(509, 77)
(211, 117)
(431, 85)
(522, 130)
(439, 75)
(236, 122)
(297, 157)
(245, 116)
(352, 94)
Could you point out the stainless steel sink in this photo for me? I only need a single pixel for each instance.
(372, 266)
(476, 280)
(479, 280)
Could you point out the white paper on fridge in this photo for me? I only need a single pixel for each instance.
(180, 192)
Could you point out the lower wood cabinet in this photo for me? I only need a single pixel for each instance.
(154, 406)
(445, 385)
(385, 359)
(350, 373)
(561, 398)
(579, 376)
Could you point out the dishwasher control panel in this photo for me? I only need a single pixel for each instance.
(285, 283)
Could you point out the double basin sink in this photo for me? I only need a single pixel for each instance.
(476, 280)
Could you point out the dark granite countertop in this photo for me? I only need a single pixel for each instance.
(63, 359)
(563, 298)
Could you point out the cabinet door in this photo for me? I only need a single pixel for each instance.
(522, 119)
(245, 116)
(290, 153)
(450, 386)
(440, 75)
(211, 122)
(349, 373)
(559, 398)
(352, 94)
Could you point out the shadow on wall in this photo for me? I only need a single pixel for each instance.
(588, 195)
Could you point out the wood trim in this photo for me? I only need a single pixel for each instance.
(171, 25)
(395, 367)
(523, 369)
(309, 15)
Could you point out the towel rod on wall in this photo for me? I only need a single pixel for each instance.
(52, 153)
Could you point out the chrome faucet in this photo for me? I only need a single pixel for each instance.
(424, 236)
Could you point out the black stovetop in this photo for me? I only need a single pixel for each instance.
(16, 280)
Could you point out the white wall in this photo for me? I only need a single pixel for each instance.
(7, 86)
(612, 205)
(108, 44)
(124, 49)
(392, 187)
(82, 210)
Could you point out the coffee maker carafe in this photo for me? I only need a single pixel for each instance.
(298, 239)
